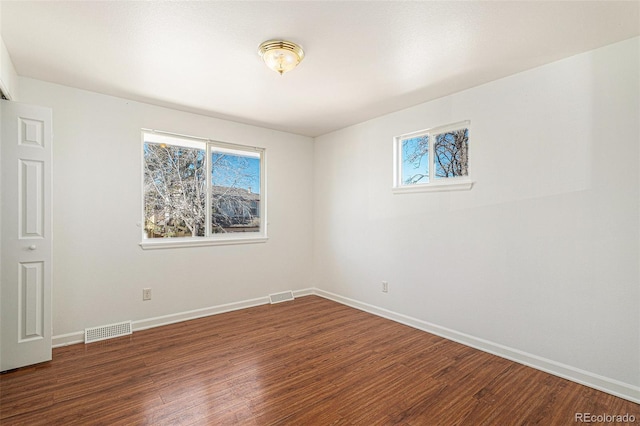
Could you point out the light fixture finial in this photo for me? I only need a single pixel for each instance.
(280, 55)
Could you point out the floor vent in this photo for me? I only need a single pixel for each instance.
(95, 334)
(281, 297)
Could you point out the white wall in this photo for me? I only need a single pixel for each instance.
(8, 74)
(99, 270)
(541, 256)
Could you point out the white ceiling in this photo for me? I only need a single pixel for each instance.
(363, 58)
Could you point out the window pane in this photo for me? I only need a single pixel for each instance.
(451, 152)
(174, 190)
(235, 191)
(415, 160)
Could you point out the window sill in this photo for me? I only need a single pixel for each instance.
(434, 187)
(166, 243)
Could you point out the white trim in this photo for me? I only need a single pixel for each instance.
(8, 75)
(5, 91)
(197, 313)
(166, 136)
(434, 187)
(592, 380)
(67, 339)
(460, 183)
(143, 324)
(586, 378)
(305, 292)
(208, 146)
(164, 243)
(437, 130)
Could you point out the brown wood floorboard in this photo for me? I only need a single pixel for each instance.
(306, 362)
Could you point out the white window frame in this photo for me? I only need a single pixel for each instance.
(461, 183)
(210, 239)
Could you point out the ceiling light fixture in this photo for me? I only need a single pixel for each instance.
(281, 56)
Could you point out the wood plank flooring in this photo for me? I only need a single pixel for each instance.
(306, 362)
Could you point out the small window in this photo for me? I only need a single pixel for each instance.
(201, 192)
(433, 160)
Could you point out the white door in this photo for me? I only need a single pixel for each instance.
(25, 274)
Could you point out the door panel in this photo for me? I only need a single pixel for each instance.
(31, 194)
(26, 251)
(31, 299)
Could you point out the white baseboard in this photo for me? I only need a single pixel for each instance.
(67, 339)
(304, 292)
(197, 313)
(605, 384)
(78, 336)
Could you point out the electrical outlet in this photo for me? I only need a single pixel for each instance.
(146, 294)
(385, 287)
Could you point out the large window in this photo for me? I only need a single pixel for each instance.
(433, 160)
(199, 192)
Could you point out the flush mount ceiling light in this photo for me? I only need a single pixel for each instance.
(281, 56)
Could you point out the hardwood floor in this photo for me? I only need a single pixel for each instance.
(306, 362)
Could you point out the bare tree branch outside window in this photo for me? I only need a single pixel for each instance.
(174, 190)
(176, 186)
(451, 152)
(450, 156)
(415, 158)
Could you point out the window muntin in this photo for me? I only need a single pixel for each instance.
(179, 199)
(433, 159)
